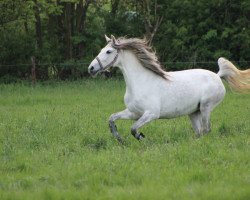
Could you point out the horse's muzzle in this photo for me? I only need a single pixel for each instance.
(93, 71)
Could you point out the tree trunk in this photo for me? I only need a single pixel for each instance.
(33, 71)
(152, 21)
(68, 27)
(38, 26)
(60, 31)
(81, 14)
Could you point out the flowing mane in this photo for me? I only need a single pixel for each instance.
(145, 54)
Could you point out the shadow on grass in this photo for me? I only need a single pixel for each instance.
(96, 144)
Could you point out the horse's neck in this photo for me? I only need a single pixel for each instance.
(135, 75)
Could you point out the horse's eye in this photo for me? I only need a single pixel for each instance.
(108, 52)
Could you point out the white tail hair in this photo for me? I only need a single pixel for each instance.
(239, 80)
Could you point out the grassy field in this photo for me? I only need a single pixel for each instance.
(55, 144)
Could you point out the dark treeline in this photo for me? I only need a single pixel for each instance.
(65, 35)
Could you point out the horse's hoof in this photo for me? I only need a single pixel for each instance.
(141, 136)
(120, 140)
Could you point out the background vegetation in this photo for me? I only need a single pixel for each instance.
(55, 144)
(54, 139)
(65, 35)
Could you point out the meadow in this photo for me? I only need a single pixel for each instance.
(55, 144)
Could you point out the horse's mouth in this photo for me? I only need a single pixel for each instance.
(100, 71)
(94, 73)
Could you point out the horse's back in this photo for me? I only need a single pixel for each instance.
(205, 82)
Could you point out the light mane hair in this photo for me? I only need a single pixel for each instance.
(143, 51)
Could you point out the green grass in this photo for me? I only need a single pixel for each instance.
(55, 144)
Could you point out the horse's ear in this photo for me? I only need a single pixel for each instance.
(107, 39)
(113, 39)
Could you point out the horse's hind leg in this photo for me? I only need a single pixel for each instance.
(205, 110)
(196, 121)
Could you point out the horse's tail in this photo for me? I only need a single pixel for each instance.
(239, 80)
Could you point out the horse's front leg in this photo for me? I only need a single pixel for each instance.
(145, 118)
(125, 114)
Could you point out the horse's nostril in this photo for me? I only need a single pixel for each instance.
(92, 68)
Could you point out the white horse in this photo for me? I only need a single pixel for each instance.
(152, 93)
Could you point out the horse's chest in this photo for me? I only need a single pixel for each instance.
(133, 103)
(138, 103)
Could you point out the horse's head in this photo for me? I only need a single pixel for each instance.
(107, 58)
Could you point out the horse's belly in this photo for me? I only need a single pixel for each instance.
(177, 110)
(169, 109)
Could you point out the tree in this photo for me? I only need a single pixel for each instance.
(152, 17)
(65, 33)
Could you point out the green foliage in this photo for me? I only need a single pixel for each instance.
(72, 31)
(15, 48)
(124, 23)
(201, 30)
(55, 144)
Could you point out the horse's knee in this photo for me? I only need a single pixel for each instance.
(111, 118)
